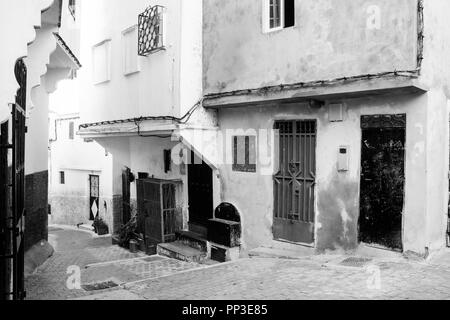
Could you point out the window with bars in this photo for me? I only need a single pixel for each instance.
(151, 31)
(244, 153)
(62, 177)
(72, 8)
(278, 14)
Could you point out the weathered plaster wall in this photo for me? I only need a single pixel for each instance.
(141, 154)
(436, 77)
(330, 40)
(337, 194)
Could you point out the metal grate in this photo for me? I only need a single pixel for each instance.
(294, 183)
(99, 286)
(151, 31)
(12, 194)
(355, 262)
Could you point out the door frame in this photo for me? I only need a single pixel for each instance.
(278, 166)
(399, 120)
(196, 226)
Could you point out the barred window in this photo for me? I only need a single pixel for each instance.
(73, 8)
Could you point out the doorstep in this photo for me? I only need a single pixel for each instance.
(282, 250)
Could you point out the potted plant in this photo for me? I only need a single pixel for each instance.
(128, 232)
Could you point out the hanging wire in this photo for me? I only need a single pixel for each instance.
(138, 121)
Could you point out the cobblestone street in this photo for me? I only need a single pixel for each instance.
(98, 260)
(158, 278)
(315, 278)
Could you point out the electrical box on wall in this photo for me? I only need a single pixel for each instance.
(336, 112)
(343, 159)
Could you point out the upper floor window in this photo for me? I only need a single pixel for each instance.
(130, 55)
(101, 62)
(278, 14)
(71, 130)
(72, 8)
(151, 30)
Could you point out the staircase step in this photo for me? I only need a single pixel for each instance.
(180, 251)
(191, 239)
(87, 227)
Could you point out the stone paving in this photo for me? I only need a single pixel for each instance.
(103, 261)
(306, 279)
(320, 277)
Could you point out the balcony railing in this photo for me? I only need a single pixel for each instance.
(151, 31)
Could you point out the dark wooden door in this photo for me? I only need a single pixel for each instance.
(157, 209)
(200, 192)
(94, 196)
(126, 196)
(294, 183)
(382, 180)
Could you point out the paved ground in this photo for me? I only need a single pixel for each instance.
(317, 277)
(97, 260)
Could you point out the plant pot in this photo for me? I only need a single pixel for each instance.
(133, 246)
(102, 231)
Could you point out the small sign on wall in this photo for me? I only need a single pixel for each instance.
(343, 159)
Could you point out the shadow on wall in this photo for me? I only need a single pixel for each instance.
(338, 216)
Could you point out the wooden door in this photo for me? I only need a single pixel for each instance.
(382, 180)
(200, 192)
(126, 198)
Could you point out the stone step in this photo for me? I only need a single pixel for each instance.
(178, 250)
(282, 250)
(191, 239)
(86, 227)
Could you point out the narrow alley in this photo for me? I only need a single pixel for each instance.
(137, 276)
(99, 263)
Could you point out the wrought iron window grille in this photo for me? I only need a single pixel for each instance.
(72, 8)
(151, 31)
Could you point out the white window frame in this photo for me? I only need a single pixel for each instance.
(137, 68)
(266, 17)
(107, 43)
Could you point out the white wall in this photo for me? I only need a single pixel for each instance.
(156, 89)
(18, 20)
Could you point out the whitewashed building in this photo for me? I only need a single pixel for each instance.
(141, 82)
(76, 168)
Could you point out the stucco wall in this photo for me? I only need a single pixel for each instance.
(337, 194)
(22, 16)
(141, 154)
(158, 88)
(331, 39)
(78, 159)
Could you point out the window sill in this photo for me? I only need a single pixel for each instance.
(96, 83)
(270, 31)
(130, 73)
